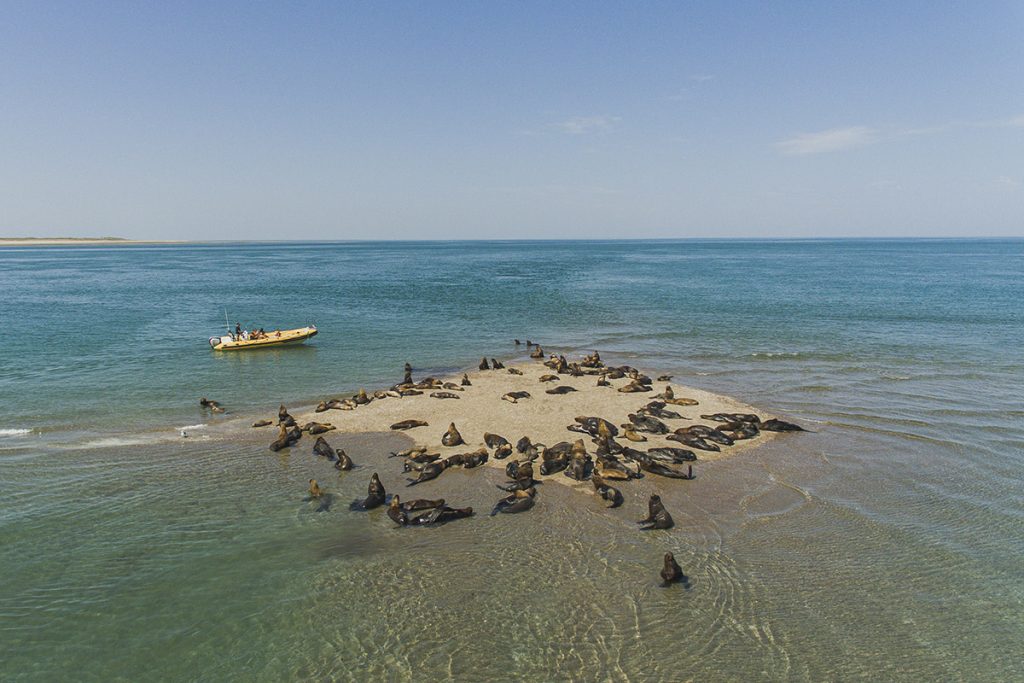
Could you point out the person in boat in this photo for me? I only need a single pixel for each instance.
(238, 331)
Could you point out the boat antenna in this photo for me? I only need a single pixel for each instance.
(227, 325)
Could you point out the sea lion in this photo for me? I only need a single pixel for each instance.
(558, 391)
(657, 409)
(475, 459)
(517, 342)
(440, 515)
(602, 381)
(395, 511)
(317, 427)
(323, 449)
(410, 392)
(285, 437)
(214, 406)
(665, 378)
(483, 364)
(609, 493)
(495, 365)
(361, 398)
(596, 426)
(415, 450)
(776, 425)
(494, 440)
(579, 468)
(537, 352)
(409, 424)
(515, 371)
(523, 444)
(422, 458)
(375, 495)
(633, 387)
(514, 396)
(314, 489)
(649, 465)
(671, 572)
(282, 414)
(529, 343)
(503, 451)
(465, 381)
(693, 441)
(444, 394)
(682, 401)
(646, 423)
(519, 501)
(452, 386)
(657, 516)
(452, 437)
(610, 468)
(739, 431)
(633, 435)
(407, 379)
(676, 455)
(343, 463)
(428, 471)
(320, 407)
(553, 461)
(262, 423)
(422, 504)
(549, 378)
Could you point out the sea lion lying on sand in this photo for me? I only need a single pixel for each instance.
(564, 389)
(444, 394)
(409, 424)
(452, 437)
(514, 396)
(317, 427)
(494, 440)
(262, 423)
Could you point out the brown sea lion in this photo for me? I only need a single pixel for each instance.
(452, 386)
(558, 391)
(343, 463)
(452, 437)
(549, 378)
(375, 495)
(515, 371)
(657, 516)
(395, 511)
(320, 407)
(633, 435)
(602, 381)
(523, 444)
(285, 437)
(495, 365)
(520, 501)
(409, 424)
(514, 396)
(537, 352)
(633, 387)
(262, 423)
(671, 572)
(465, 381)
(422, 504)
(483, 364)
(415, 450)
(503, 451)
(318, 427)
(407, 379)
(475, 459)
(361, 398)
(494, 440)
(682, 401)
(314, 489)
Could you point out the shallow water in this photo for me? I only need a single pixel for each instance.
(885, 544)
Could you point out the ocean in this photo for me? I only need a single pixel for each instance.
(886, 543)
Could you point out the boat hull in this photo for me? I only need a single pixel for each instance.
(276, 338)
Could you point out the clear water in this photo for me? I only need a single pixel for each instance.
(886, 544)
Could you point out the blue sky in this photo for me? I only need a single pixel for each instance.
(520, 120)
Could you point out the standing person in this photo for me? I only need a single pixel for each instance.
(238, 331)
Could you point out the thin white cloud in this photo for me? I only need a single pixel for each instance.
(1016, 121)
(1007, 181)
(831, 140)
(702, 78)
(581, 125)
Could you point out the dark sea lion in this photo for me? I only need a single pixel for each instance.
(615, 373)
(395, 511)
(282, 414)
(410, 392)
(503, 451)
(440, 515)
(739, 431)
(262, 423)
(671, 572)
(519, 501)
(343, 463)
(409, 424)
(657, 409)
(428, 471)
(475, 459)
(375, 495)
(579, 468)
(596, 426)
(323, 449)
(515, 371)
(495, 365)
(422, 504)
(609, 493)
(318, 427)
(444, 394)
(549, 378)
(775, 425)
(407, 379)
(646, 423)
(564, 389)
(285, 438)
(693, 441)
(320, 407)
(657, 516)
(465, 381)
(537, 352)
(452, 437)
(517, 342)
(676, 455)
(649, 465)
(483, 364)
(361, 398)
(514, 396)
(523, 444)
(453, 460)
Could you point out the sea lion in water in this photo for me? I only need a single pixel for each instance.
(775, 425)
(375, 495)
(440, 515)
(262, 423)
(409, 424)
(483, 364)
(285, 437)
(520, 501)
(514, 396)
(395, 511)
(212, 405)
(422, 504)
(407, 379)
(452, 437)
(429, 471)
(517, 342)
(465, 381)
(444, 394)
(564, 389)
(657, 516)
(609, 493)
(344, 463)
(537, 352)
(671, 572)
(314, 489)
(323, 449)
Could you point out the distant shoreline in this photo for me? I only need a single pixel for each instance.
(74, 241)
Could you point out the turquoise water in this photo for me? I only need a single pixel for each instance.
(885, 544)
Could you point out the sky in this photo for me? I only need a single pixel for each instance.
(520, 120)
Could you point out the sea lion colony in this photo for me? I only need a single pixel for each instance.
(613, 459)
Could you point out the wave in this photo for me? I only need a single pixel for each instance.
(198, 426)
(15, 432)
